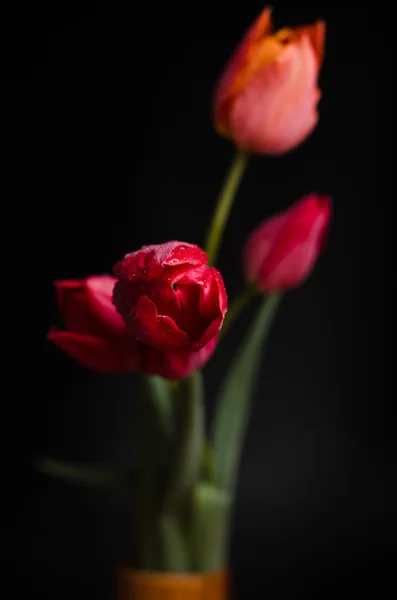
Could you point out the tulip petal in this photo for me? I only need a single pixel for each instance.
(282, 251)
(159, 331)
(213, 296)
(96, 353)
(177, 366)
(211, 331)
(316, 35)
(74, 308)
(297, 245)
(259, 245)
(65, 291)
(211, 287)
(163, 261)
(202, 302)
(183, 253)
(208, 303)
(138, 266)
(223, 300)
(164, 296)
(277, 109)
(99, 292)
(189, 319)
(183, 259)
(234, 76)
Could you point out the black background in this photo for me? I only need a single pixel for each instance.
(108, 146)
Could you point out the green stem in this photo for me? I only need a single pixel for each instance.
(237, 307)
(175, 551)
(160, 392)
(208, 468)
(183, 472)
(156, 436)
(224, 204)
(189, 442)
(148, 538)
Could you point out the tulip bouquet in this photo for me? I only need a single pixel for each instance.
(164, 312)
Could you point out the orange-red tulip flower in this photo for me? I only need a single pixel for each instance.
(266, 100)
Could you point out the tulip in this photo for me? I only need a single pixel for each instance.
(169, 297)
(174, 365)
(266, 100)
(96, 335)
(281, 252)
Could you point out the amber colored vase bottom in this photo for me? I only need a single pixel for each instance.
(145, 585)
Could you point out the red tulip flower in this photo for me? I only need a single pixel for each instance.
(266, 100)
(169, 297)
(282, 251)
(171, 365)
(94, 332)
(96, 335)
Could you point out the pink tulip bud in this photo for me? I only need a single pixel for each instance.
(266, 100)
(281, 252)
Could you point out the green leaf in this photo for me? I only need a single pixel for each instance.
(233, 406)
(210, 519)
(189, 442)
(92, 475)
(174, 546)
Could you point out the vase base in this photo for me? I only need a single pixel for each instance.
(146, 585)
